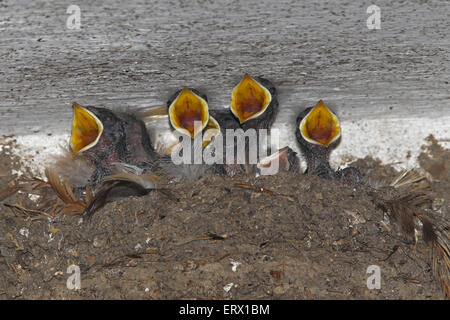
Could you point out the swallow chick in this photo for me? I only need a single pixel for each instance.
(107, 139)
(226, 120)
(189, 115)
(164, 135)
(254, 102)
(188, 111)
(318, 131)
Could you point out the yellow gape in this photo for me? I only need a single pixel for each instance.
(86, 129)
(212, 129)
(249, 99)
(320, 126)
(187, 109)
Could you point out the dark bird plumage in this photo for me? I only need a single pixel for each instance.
(106, 138)
(118, 186)
(318, 132)
(254, 102)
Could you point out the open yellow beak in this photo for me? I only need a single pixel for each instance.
(187, 110)
(320, 126)
(86, 129)
(212, 129)
(249, 99)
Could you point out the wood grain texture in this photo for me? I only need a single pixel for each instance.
(135, 54)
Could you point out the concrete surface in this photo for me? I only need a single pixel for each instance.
(390, 87)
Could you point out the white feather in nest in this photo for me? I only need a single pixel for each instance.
(74, 169)
(186, 171)
(156, 120)
(164, 140)
(189, 171)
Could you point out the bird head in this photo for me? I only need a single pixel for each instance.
(318, 131)
(319, 126)
(97, 134)
(188, 112)
(253, 101)
(87, 128)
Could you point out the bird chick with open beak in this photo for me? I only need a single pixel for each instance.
(189, 115)
(318, 131)
(188, 111)
(254, 102)
(110, 139)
